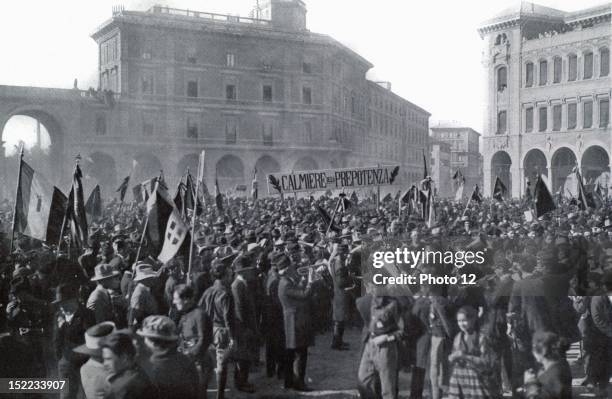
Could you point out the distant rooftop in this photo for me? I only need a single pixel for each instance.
(536, 12)
(452, 125)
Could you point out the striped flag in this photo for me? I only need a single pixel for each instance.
(32, 204)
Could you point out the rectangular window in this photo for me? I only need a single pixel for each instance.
(588, 65)
(604, 112)
(230, 60)
(192, 128)
(230, 92)
(307, 131)
(191, 56)
(557, 68)
(192, 88)
(572, 112)
(267, 131)
(148, 127)
(529, 119)
(306, 95)
(557, 117)
(100, 125)
(231, 131)
(604, 62)
(543, 72)
(267, 93)
(572, 67)
(587, 114)
(306, 67)
(543, 120)
(501, 122)
(529, 75)
(146, 84)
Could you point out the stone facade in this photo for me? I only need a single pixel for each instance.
(264, 94)
(465, 152)
(547, 95)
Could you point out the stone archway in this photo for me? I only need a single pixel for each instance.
(146, 167)
(562, 164)
(500, 167)
(595, 161)
(305, 163)
(230, 172)
(99, 168)
(534, 164)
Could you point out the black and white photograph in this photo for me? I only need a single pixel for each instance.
(328, 199)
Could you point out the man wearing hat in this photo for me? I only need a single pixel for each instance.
(600, 344)
(71, 321)
(105, 300)
(173, 373)
(246, 350)
(93, 374)
(142, 302)
(218, 304)
(126, 379)
(341, 302)
(294, 296)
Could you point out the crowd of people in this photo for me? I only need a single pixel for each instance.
(265, 277)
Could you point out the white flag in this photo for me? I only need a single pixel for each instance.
(176, 231)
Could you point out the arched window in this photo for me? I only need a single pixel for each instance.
(588, 65)
(557, 67)
(543, 72)
(529, 74)
(498, 40)
(502, 78)
(604, 62)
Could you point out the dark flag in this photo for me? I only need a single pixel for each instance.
(458, 175)
(409, 197)
(584, 201)
(218, 196)
(138, 194)
(327, 219)
(75, 213)
(387, 198)
(179, 198)
(476, 196)
(93, 207)
(354, 198)
(528, 196)
(499, 190)
(345, 203)
(123, 188)
(56, 216)
(191, 198)
(425, 174)
(543, 199)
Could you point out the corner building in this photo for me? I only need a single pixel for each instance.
(264, 94)
(547, 95)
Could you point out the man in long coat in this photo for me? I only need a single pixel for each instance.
(294, 297)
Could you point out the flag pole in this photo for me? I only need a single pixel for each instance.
(144, 229)
(331, 222)
(194, 213)
(16, 197)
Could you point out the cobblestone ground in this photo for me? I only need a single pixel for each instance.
(333, 374)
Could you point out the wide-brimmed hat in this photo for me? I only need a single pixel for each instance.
(93, 336)
(158, 327)
(104, 271)
(144, 271)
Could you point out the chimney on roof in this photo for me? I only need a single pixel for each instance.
(289, 14)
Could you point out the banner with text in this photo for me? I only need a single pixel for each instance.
(332, 179)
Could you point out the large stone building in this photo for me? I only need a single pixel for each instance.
(465, 151)
(255, 93)
(441, 168)
(547, 95)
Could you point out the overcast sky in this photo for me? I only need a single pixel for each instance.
(429, 50)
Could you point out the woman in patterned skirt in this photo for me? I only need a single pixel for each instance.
(473, 366)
